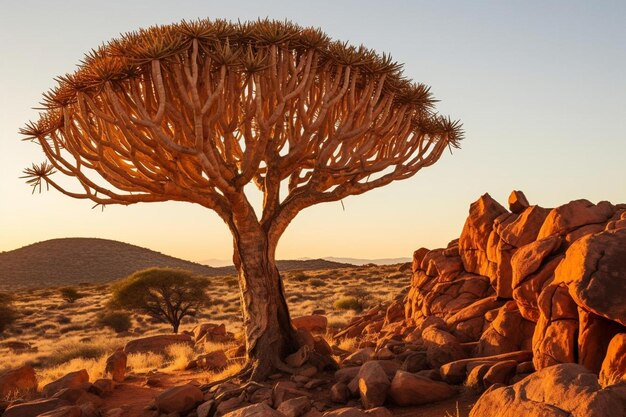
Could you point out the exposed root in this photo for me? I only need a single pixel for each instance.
(236, 391)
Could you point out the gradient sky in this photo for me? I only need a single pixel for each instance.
(539, 85)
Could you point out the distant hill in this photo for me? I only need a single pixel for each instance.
(331, 259)
(75, 260)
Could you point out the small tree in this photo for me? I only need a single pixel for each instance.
(163, 293)
(8, 315)
(70, 294)
(119, 321)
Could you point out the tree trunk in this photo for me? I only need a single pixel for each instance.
(270, 335)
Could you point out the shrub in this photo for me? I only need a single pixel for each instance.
(8, 314)
(349, 303)
(318, 282)
(69, 294)
(166, 294)
(300, 277)
(119, 321)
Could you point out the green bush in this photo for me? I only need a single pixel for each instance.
(69, 294)
(8, 314)
(119, 321)
(349, 303)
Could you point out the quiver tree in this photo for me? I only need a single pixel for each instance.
(195, 111)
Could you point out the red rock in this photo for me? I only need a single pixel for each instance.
(77, 379)
(455, 372)
(554, 340)
(475, 235)
(574, 214)
(298, 358)
(594, 335)
(410, 389)
(499, 373)
(517, 201)
(339, 393)
(295, 407)
(524, 229)
(181, 399)
(614, 365)
(527, 292)
(312, 323)
(256, 410)
(378, 412)
(157, 344)
(209, 332)
(34, 408)
(213, 361)
(67, 411)
(508, 332)
(529, 258)
(594, 270)
(373, 384)
(566, 390)
(441, 347)
(18, 381)
(418, 256)
(116, 366)
(345, 412)
(475, 377)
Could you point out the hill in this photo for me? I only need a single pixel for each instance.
(75, 260)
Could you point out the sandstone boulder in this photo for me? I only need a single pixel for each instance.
(34, 408)
(213, 361)
(566, 390)
(157, 344)
(295, 407)
(181, 399)
(441, 347)
(373, 385)
(573, 215)
(255, 410)
(614, 365)
(77, 380)
(517, 201)
(209, 332)
(409, 389)
(508, 332)
(594, 270)
(314, 323)
(18, 381)
(116, 366)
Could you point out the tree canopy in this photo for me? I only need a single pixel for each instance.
(164, 293)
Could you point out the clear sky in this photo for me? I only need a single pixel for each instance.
(539, 85)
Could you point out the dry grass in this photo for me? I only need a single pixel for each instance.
(68, 336)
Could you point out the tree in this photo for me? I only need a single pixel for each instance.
(8, 315)
(70, 294)
(195, 111)
(164, 293)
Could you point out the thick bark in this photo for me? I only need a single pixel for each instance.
(270, 335)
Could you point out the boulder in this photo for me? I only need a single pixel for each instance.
(116, 366)
(255, 410)
(339, 393)
(415, 362)
(573, 215)
(475, 377)
(508, 332)
(409, 389)
(517, 201)
(204, 409)
(566, 390)
(555, 337)
(475, 235)
(180, 399)
(526, 293)
(209, 332)
(157, 344)
(18, 381)
(34, 408)
(373, 385)
(346, 412)
(594, 335)
(441, 347)
(77, 380)
(295, 407)
(594, 270)
(298, 358)
(614, 365)
(213, 361)
(314, 323)
(499, 373)
(455, 372)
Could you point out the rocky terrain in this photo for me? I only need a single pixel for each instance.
(72, 261)
(523, 315)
